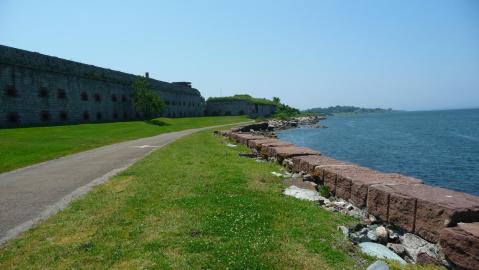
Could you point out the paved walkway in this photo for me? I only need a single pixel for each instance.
(33, 193)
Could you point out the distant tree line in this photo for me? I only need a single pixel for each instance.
(284, 111)
(345, 109)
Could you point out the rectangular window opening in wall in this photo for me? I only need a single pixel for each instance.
(97, 98)
(98, 116)
(115, 115)
(123, 98)
(113, 98)
(11, 91)
(45, 116)
(86, 116)
(125, 115)
(63, 116)
(43, 92)
(167, 102)
(13, 117)
(84, 96)
(61, 93)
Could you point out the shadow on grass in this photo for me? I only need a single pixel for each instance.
(156, 122)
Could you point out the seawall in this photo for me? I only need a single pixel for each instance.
(441, 216)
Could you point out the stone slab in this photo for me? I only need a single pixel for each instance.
(365, 178)
(267, 148)
(308, 163)
(378, 201)
(422, 209)
(329, 175)
(438, 208)
(282, 152)
(344, 178)
(460, 245)
(257, 144)
(244, 138)
(327, 162)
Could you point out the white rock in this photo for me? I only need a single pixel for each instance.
(231, 145)
(393, 235)
(380, 251)
(372, 235)
(303, 194)
(414, 245)
(397, 248)
(344, 230)
(339, 203)
(378, 265)
(382, 234)
(277, 174)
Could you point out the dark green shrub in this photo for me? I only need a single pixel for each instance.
(324, 191)
(145, 99)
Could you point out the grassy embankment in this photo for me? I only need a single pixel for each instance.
(193, 204)
(21, 147)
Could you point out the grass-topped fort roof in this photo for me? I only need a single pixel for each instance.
(242, 97)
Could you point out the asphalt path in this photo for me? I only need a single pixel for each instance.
(32, 194)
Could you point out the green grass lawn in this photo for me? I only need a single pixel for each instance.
(194, 204)
(21, 147)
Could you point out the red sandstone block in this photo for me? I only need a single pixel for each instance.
(460, 245)
(306, 163)
(329, 175)
(326, 162)
(244, 138)
(401, 211)
(266, 148)
(256, 144)
(366, 177)
(424, 209)
(346, 176)
(378, 201)
(234, 135)
(282, 152)
(438, 208)
(309, 163)
(329, 180)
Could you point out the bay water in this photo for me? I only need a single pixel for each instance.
(439, 147)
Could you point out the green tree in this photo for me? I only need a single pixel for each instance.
(276, 100)
(145, 99)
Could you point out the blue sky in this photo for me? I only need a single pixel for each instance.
(413, 55)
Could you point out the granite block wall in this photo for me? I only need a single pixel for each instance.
(239, 107)
(40, 89)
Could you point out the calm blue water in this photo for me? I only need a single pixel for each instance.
(439, 147)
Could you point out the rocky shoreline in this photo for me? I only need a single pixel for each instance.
(294, 122)
(401, 218)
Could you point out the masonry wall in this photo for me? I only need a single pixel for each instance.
(239, 107)
(40, 89)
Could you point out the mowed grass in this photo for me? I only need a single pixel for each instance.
(21, 147)
(194, 204)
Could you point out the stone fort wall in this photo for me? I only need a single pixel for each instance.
(41, 89)
(239, 107)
